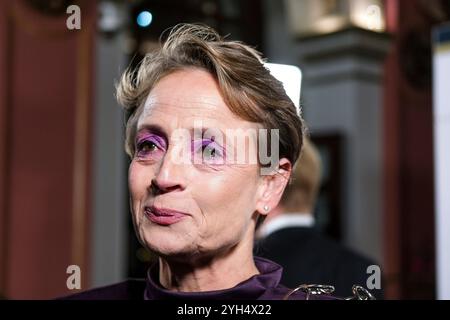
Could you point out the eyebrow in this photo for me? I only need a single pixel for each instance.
(154, 128)
(159, 130)
(212, 130)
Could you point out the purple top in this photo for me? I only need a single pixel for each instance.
(263, 286)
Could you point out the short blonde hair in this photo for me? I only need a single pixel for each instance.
(248, 88)
(305, 180)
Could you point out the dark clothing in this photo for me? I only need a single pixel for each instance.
(309, 257)
(132, 289)
(264, 286)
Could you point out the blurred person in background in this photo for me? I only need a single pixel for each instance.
(288, 236)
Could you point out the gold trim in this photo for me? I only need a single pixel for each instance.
(81, 143)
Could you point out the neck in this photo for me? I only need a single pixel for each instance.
(217, 272)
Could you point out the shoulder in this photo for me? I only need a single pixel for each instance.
(307, 238)
(317, 244)
(132, 289)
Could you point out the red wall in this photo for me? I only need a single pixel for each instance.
(46, 110)
(408, 140)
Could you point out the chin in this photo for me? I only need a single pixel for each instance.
(166, 242)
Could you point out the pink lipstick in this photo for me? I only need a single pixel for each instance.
(163, 216)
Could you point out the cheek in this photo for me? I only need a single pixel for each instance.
(139, 178)
(232, 193)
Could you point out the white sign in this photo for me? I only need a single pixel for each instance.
(290, 77)
(441, 118)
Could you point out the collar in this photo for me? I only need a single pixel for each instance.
(285, 220)
(252, 288)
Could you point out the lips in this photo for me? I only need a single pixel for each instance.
(163, 216)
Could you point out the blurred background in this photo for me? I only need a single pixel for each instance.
(369, 96)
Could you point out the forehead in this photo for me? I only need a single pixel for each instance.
(186, 96)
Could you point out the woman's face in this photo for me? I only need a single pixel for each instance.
(198, 207)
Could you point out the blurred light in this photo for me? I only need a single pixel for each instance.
(144, 19)
(111, 17)
(330, 24)
(373, 18)
(368, 17)
(310, 17)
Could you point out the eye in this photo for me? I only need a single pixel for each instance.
(148, 149)
(207, 151)
(147, 146)
(210, 152)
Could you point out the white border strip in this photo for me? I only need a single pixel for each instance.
(441, 111)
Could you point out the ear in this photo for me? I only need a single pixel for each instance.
(272, 187)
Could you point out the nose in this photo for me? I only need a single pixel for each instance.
(169, 177)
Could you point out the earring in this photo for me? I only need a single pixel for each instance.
(266, 208)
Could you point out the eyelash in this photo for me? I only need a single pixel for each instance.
(197, 147)
(144, 143)
(153, 145)
(218, 151)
